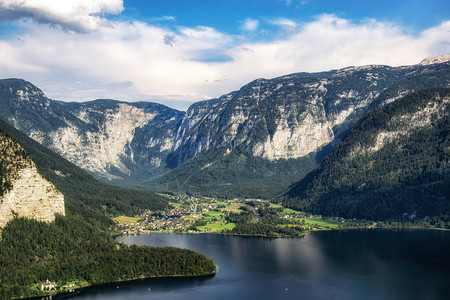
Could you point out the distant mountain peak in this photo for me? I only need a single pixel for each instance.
(22, 89)
(361, 68)
(435, 59)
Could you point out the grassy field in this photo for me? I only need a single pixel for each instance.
(176, 205)
(125, 220)
(212, 214)
(313, 222)
(217, 226)
(285, 210)
(233, 207)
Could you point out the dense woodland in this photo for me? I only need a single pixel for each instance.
(268, 228)
(408, 176)
(71, 250)
(269, 225)
(12, 159)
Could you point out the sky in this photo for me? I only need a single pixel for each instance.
(176, 52)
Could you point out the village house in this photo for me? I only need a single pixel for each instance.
(48, 286)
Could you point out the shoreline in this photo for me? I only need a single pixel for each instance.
(274, 237)
(78, 290)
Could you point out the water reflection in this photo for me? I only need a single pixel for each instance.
(323, 265)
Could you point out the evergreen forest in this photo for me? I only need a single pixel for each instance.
(72, 250)
(404, 177)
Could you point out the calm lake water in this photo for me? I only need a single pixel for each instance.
(411, 264)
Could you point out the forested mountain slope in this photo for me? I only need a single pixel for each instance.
(83, 193)
(229, 167)
(394, 163)
(70, 250)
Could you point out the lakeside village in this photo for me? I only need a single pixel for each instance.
(210, 215)
(200, 215)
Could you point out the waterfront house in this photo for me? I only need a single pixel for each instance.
(48, 286)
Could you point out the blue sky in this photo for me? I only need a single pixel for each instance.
(179, 51)
(227, 15)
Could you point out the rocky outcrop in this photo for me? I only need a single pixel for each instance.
(404, 125)
(31, 196)
(97, 150)
(435, 60)
(24, 192)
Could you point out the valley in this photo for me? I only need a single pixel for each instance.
(194, 215)
(210, 215)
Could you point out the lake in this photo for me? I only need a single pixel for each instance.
(408, 264)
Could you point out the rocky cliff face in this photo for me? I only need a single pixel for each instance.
(25, 193)
(109, 138)
(295, 115)
(289, 117)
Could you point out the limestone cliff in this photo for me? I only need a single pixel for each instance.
(294, 115)
(111, 139)
(24, 192)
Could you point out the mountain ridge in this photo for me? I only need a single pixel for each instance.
(289, 117)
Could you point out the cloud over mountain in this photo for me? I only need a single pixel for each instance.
(188, 63)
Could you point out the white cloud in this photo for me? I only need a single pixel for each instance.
(330, 42)
(81, 15)
(163, 19)
(131, 61)
(287, 25)
(250, 25)
(284, 22)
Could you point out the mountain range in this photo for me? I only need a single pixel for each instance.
(254, 142)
